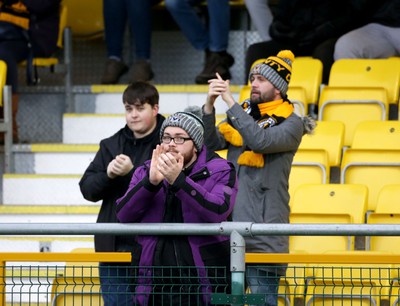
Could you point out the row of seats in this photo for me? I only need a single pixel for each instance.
(373, 158)
(344, 204)
(340, 284)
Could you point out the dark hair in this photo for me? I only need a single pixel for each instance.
(140, 93)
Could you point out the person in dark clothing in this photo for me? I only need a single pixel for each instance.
(28, 28)
(308, 28)
(108, 175)
(183, 182)
(378, 37)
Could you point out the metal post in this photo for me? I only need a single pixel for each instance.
(8, 140)
(69, 101)
(238, 267)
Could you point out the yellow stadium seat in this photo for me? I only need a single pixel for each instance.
(373, 168)
(327, 199)
(3, 76)
(387, 212)
(244, 93)
(384, 135)
(298, 96)
(359, 90)
(352, 105)
(329, 136)
(348, 284)
(80, 285)
(327, 203)
(367, 73)
(389, 244)
(310, 166)
(389, 199)
(307, 74)
(78, 20)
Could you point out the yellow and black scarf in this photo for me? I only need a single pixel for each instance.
(266, 114)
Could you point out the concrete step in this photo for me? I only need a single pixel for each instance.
(173, 98)
(53, 158)
(91, 128)
(42, 189)
(48, 213)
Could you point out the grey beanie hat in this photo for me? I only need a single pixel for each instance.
(189, 122)
(277, 70)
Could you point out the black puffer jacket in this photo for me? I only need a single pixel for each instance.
(96, 185)
(310, 22)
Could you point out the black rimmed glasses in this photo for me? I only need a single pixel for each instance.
(177, 140)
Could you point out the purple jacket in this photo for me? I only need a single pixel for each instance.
(207, 195)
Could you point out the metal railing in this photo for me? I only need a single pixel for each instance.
(237, 232)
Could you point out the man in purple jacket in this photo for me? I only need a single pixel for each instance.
(182, 183)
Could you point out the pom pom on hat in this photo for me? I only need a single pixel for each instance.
(276, 69)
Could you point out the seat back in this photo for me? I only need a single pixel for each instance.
(80, 284)
(366, 73)
(78, 20)
(298, 96)
(307, 73)
(328, 199)
(328, 136)
(389, 199)
(310, 166)
(390, 244)
(373, 168)
(244, 93)
(352, 105)
(348, 284)
(384, 135)
(327, 203)
(3, 76)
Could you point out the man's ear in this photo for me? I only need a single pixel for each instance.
(156, 108)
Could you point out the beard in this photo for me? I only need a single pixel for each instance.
(261, 97)
(187, 157)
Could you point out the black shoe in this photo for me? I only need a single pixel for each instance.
(113, 71)
(215, 62)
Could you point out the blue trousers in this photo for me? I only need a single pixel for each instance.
(262, 282)
(137, 13)
(115, 284)
(215, 35)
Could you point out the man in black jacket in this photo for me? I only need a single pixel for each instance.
(378, 35)
(308, 28)
(108, 175)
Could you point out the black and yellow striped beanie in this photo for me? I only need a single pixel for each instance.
(276, 69)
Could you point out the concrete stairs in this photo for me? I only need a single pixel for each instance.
(45, 185)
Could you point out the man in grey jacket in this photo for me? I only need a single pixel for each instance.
(262, 135)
